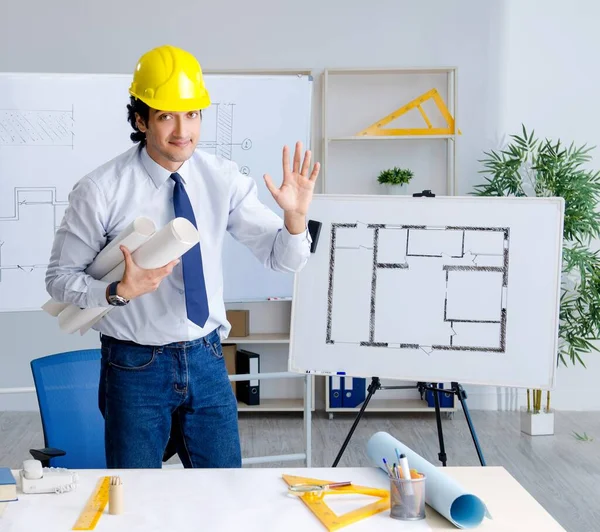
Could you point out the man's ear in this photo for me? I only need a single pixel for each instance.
(139, 122)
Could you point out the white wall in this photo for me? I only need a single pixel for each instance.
(551, 85)
(106, 37)
(503, 49)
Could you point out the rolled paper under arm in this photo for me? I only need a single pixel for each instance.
(170, 243)
(133, 236)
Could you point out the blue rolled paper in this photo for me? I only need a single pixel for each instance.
(442, 493)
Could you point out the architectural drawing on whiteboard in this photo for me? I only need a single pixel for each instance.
(223, 144)
(418, 287)
(37, 209)
(36, 128)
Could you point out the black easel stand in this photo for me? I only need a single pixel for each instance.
(373, 387)
(457, 390)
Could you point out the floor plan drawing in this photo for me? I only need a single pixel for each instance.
(36, 212)
(35, 207)
(418, 287)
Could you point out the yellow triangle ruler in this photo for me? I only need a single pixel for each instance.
(378, 129)
(90, 515)
(332, 521)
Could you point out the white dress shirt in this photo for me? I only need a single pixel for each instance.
(107, 200)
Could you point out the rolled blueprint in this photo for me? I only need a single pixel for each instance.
(442, 493)
(90, 324)
(172, 241)
(133, 236)
(54, 308)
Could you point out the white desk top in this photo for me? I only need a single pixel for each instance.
(253, 499)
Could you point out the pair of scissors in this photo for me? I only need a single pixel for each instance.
(301, 489)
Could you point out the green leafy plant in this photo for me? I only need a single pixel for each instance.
(528, 166)
(395, 176)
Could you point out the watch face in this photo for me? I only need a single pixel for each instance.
(117, 301)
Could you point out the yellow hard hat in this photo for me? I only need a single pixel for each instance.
(168, 78)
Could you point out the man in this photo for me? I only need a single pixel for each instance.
(162, 369)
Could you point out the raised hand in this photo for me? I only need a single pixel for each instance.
(296, 191)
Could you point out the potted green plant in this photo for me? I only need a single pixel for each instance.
(395, 179)
(531, 167)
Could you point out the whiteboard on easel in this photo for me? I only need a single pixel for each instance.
(431, 289)
(55, 128)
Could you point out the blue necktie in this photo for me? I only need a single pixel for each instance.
(193, 276)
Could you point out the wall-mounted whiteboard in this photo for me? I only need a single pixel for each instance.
(54, 128)
(431, 289)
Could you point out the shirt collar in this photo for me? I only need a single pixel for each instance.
(159, 174)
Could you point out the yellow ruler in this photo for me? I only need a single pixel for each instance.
(90, 515)
(326, 515)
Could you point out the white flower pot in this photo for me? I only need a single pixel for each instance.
(537, 423)
(395, 189)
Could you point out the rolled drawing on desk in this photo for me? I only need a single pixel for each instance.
(442, 493)
(170, 243)
(133, 236)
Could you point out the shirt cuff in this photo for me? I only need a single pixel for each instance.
(97, 294)
(294, 240)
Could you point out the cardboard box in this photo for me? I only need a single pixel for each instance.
(240, 322)
(229, 353)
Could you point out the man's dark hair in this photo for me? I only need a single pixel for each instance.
(139, 107)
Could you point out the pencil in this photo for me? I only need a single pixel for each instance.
(388, 468)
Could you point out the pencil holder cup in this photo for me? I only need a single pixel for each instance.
(407, 498)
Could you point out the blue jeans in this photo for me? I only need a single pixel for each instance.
(182, 390)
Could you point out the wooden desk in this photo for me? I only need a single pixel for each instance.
(252, 499)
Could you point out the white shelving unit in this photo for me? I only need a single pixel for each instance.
(265, 315)
(355, 98)
(368, 96)
(389, 137)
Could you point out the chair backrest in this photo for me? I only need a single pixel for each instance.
(67, 390)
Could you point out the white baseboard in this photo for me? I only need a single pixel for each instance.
(511, 399)
(491, 398)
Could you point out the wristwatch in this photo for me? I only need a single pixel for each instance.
(113, 298)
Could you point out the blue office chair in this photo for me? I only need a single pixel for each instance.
(67, 391)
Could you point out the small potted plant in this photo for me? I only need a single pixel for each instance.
(395, 179)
